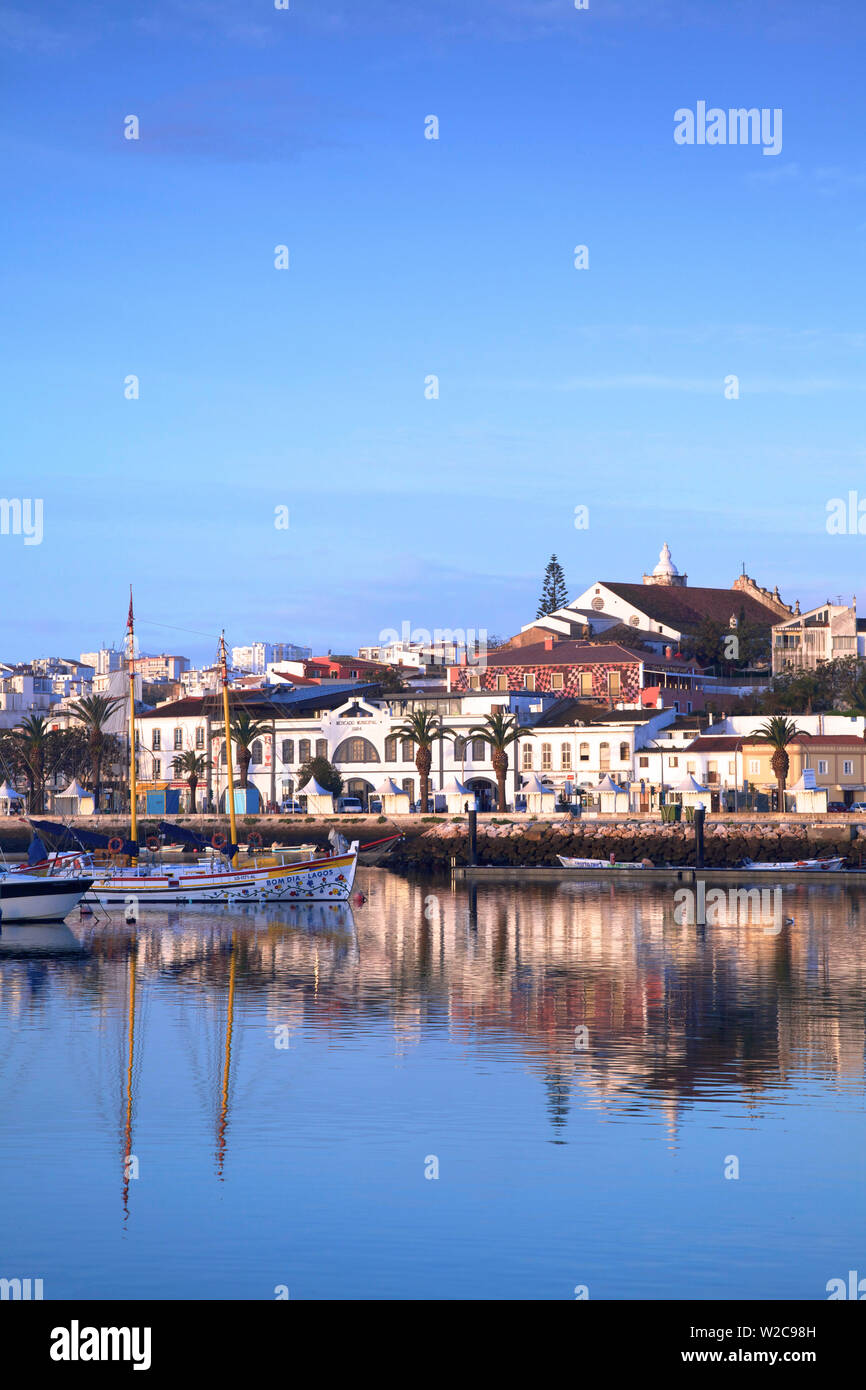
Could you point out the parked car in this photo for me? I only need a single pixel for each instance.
(857, 806)
(836, 806)
(293, 808)
(350, 804)
(374, 806)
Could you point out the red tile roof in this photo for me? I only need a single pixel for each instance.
(573, 653)
(685, 608)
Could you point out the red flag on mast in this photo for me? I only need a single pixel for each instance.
(129, 619)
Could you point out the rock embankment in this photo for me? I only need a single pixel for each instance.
(539, 843)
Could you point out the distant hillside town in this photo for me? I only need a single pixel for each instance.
(643, 692)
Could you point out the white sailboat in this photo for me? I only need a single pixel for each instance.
(220, 879)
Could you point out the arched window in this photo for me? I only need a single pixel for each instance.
(407, 750)
(478, 749)
(356, 750)
(565, 757)
(604, 756)
(459, 749)
(321, 748)
(391, 748)
(546, 757)
(256, 751)
(624, 752)
(288, 750)
(304, 748)
(408, 786)
(527, 757)
(584, 752)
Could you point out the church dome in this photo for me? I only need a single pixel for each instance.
(665, 569)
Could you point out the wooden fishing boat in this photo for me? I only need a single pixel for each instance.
(217, 879)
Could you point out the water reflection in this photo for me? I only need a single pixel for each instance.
(597, 992)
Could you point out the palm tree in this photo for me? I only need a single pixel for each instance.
(779, 731)
(500, 730)
(33, 735)
(245, 731)
(94, 712)
(423, 727)
(192, 766)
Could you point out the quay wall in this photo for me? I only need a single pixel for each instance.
(433, 842)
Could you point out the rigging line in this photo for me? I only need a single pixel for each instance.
(172, 627)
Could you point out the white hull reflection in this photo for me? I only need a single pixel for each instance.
(38, 939)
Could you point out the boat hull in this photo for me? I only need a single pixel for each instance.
(832, 865)
(570, 863)
(39, 899)
(315, 880)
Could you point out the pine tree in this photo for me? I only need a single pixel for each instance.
(554, 594)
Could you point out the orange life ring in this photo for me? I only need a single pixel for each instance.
(219, 840)
(254, 838)
(152, 842)
(115, 844)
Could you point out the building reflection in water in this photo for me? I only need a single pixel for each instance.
(597, 987)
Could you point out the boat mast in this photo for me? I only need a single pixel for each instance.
(133, 827)
(230, 793)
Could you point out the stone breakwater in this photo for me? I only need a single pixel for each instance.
(539, 843)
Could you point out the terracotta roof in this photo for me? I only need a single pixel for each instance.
(567, 653)
(685, 607)
(825, 740)
(718, 743)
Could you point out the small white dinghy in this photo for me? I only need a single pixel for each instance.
(830, 865)
(568, 863)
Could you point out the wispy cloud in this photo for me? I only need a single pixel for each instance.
(31, 33)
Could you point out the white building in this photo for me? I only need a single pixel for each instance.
(359, 733)
(257, 656)
(826, 633)
(104, 661)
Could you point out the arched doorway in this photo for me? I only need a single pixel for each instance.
(359, 787)
(485, 791)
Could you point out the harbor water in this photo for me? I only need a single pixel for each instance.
(541, 1091)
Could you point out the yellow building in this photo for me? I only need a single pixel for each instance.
(837, 760)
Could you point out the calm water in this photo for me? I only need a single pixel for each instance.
(432, 1027)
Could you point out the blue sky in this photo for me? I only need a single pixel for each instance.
(304, 388)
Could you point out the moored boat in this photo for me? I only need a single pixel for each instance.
(219, 878)
(31, 898)
(832, 864)
(570, 863)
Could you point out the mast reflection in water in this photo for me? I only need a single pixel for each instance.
(502, 1092)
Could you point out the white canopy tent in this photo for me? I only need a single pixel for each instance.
(74, 800)
(691, 792)
(808, 796)
(538, 796)
(457, 796)
(320, 801)
(611, 798)
(10, 800)
(395, 802)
